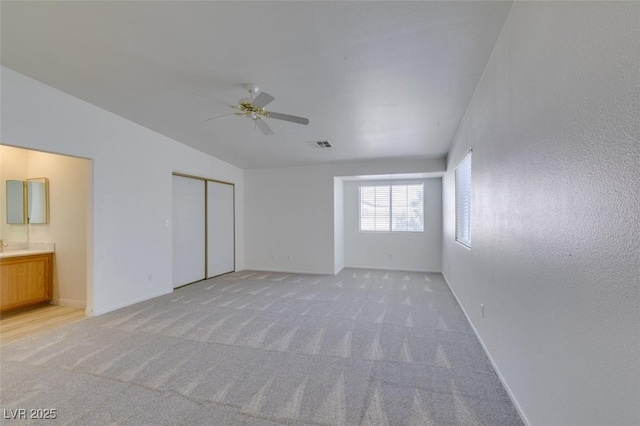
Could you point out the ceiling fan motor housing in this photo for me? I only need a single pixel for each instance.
(252, 88)
(247, 108)
(253, 108)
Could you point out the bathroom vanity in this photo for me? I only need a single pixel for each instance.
(26, 268)
(26, 278)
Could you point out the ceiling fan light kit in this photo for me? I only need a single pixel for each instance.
(254, 109)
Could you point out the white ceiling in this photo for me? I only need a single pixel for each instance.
(377, 79)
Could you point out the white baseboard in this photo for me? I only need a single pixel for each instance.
(69, 302)
(378, 268)
(290, 271)
(98, 312)
(284, 271)
(523, 417)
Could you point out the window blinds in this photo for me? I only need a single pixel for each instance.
(375, 209)
(463, 201)
(392, 208)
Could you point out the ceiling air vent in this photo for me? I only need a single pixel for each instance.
(320, 144)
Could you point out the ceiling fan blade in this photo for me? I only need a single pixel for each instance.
(287, 117)
(220, 116)
(263, 126)
(262, 99)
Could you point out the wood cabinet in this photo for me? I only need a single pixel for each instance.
(25, 280)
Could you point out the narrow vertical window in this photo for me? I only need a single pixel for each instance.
(463, 201)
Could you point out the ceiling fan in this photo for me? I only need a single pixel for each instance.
(254, 109)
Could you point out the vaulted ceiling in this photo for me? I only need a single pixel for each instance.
(376, 79)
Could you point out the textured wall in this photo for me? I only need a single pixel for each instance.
(411, 251)
(290, 212)
(555, 130)
(129, 257)
(13, 166)
(67, 227)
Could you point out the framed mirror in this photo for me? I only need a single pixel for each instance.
(15, 201)
(37, 200)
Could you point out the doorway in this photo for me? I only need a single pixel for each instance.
(68, 225)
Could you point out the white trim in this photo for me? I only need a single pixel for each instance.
(512, 397)
(463, 245)
(457, 163)
(99, 312)
(376, 268)
(390, 185)
(69, 302)
(285, 271)
(391, 268)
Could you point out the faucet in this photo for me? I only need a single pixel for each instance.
(2, 245)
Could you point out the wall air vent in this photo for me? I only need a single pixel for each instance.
(320, 144)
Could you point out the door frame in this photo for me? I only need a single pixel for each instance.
(206, 222)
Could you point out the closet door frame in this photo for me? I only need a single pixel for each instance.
(187, 231)
(206, 222)
(209, 186)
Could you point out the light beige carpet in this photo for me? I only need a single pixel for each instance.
(363, 347)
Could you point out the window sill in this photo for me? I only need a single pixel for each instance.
(461, 244)
(391, 232)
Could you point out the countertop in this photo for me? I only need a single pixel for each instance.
(26, 252)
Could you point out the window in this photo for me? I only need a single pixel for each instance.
(395, 208)
(463, 201)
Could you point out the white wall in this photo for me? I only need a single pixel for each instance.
(67, 226)
(13, 166)
(131, 195)
(338, 224)
(555, 130)
(410, 251)
(290, 212)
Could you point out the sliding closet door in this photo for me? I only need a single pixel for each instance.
(220, 226)
(188, 230)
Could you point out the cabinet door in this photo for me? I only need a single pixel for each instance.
(220, 229)
(25, 280)
(188, 230)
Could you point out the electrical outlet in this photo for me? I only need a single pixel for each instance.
(390, 255)
(149, 276)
